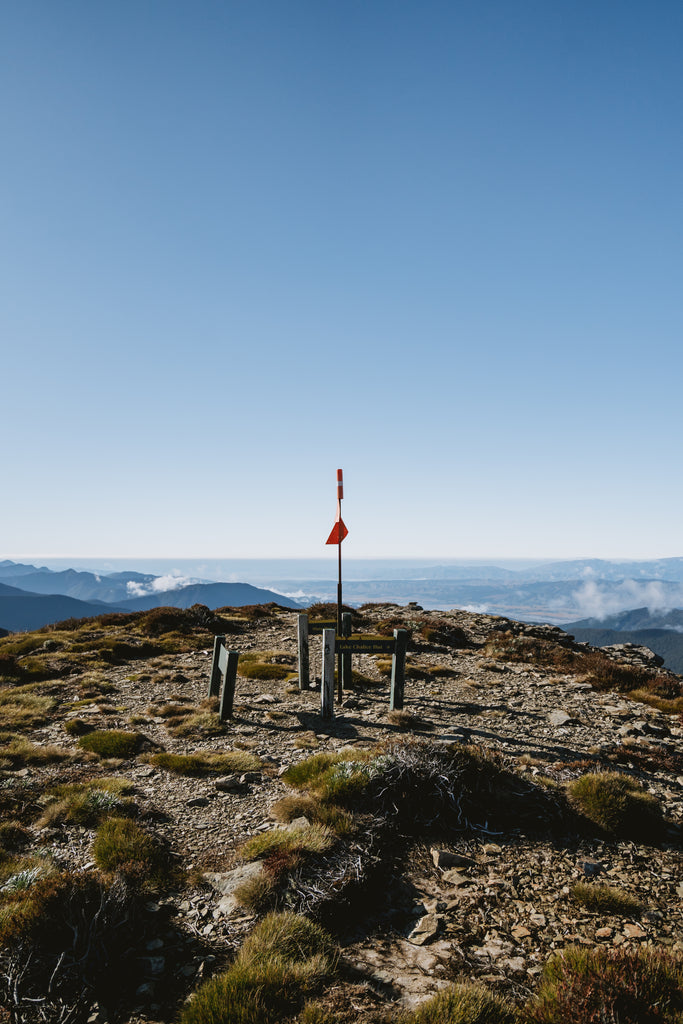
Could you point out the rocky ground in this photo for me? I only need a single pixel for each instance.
(477, 903)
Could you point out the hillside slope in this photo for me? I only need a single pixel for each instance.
(418, 880)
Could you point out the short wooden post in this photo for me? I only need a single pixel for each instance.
(327, 682)
(215, 678)
(346, 656)
(228, 691)
(304, 659)
(398, 669)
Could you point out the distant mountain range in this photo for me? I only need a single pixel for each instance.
(31, 597)
(596, 600)
(662, 632)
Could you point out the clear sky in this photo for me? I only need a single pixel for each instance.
(437, 244)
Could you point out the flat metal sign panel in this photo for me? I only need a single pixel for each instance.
(321, 624)
(365, 645)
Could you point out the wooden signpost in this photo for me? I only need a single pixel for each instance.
(223, 677)
(350, 645)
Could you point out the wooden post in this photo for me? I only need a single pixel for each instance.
(304, 659)
(327, 682)
(215, 679)
(346, 657)
(398, 669)
(228, 691)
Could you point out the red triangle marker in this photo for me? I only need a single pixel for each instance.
(339, 531)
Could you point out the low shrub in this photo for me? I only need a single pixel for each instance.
(69, 942)
(112, 742)
(617, 804)
(13, 836)
(594, 986)
(466, 1003)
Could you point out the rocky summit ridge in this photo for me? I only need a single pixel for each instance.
(488, 894)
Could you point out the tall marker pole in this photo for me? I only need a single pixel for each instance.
(340, 495)
(337, 535)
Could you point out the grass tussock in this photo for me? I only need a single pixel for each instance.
(335, 778)
(303, 805)
(313, 838)
(207, 764)
(593, 986)
(406, 720)
(21, 707)
(307, 741)
(266, 665)
(669, 705)
(122, 846)
(256, 894)
(185, 719)
(20, 753)
(617, 804)
(284, 960)
(86, 803)
(605, 899)
(465, 1003)
(118, 743)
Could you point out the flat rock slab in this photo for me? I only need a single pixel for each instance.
(225, 882)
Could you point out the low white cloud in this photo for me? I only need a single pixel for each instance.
(479, 609)
(596, 601)
(159, 585)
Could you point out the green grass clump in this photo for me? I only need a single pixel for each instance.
(335, 778)
(21, 707)
(257, 893)
(466, 1003)
(285, 959)
(122, 846)
(77, 727)
(313, 838)
(617, 804)
(86, 803)
(19, 752)
(184, 719)
(111, 742)
(339, 820)
(265, 665)
(594, 986)
(207, 764)
(605, 899)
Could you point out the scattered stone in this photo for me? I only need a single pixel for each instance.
(426, 929)
(560, 718)
(229, 784)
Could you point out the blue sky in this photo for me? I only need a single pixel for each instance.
(436, 244)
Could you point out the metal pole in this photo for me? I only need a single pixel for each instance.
(340, 680)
